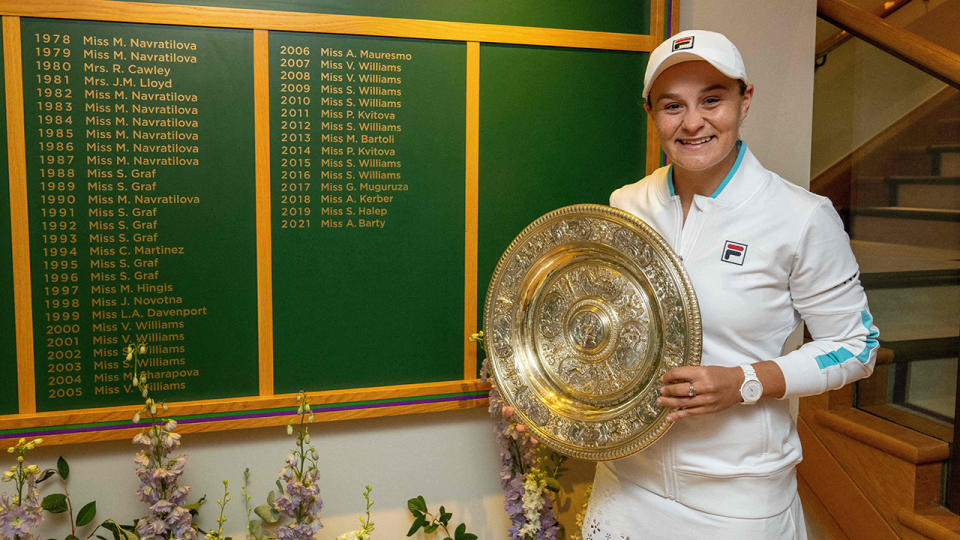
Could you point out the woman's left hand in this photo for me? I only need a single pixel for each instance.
(714, 388)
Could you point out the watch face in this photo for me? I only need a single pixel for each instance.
(752, 390)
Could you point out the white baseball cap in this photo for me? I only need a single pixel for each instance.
(695, 45)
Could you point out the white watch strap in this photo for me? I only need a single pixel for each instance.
(752, 389)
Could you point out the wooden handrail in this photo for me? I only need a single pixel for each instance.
(921, 53)
(888, 8)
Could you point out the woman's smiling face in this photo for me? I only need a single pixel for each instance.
(698, 112)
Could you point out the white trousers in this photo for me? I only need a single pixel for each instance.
(621, 510)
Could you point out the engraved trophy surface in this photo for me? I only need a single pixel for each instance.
(586, 309)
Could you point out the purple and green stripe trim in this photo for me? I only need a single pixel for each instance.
(245, 415)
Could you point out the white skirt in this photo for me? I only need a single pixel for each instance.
(622, 510)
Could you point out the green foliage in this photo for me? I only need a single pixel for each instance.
(62, 468)
(87, 513)
(60, 502)
(120, 532)
(267, 513)
(55, 503)
(422, 518)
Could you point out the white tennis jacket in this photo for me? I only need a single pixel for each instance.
(762, 254)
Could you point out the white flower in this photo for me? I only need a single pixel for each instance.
(143, 349)
(532, 499)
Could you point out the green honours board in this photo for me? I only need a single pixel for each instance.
(367, 197)
(285, 195)
(8, 336)
(140, 186)
(627, 16)
(557, 127)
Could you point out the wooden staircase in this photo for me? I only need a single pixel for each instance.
(875, 458)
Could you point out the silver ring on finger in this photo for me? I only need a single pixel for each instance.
(691, 391)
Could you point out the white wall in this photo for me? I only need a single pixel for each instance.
(776, 39)
(450, 458)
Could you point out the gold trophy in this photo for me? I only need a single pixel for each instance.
(586, 309)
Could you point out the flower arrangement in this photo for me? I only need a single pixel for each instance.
(222, 503)
(158, 471)
(21, 514)
(529, 475)
(299, 488)
(422, 518)
(366, 524)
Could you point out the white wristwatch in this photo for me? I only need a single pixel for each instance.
(752, 388)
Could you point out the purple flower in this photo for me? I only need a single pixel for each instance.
(298, 531)
(179, 495)
(179, 522)
(158, 474)
(20, 519)
(151, 528)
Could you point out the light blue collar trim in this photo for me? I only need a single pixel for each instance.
(733, 170)
(741, 150)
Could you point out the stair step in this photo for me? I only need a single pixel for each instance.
(912, 226)
(914, 291)
(948, 129)
(871, 191)
(942, 192)
(944, 159)
(884, 265)
(908, 330)
(911, 350)
(905, 160)
(901, 212)
(911, 313)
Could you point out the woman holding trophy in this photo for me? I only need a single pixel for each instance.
(762, 254)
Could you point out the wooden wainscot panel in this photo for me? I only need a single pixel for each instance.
(815, 510)
(828, 480)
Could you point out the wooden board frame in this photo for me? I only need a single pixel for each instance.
(268, 409)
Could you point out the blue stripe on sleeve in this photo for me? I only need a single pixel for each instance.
(872, 342)
(841, 355)
(834, 358)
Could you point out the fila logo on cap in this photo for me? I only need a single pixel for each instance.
(734, 253)
(683, 43)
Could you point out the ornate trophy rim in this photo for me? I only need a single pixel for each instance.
(603, 418)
